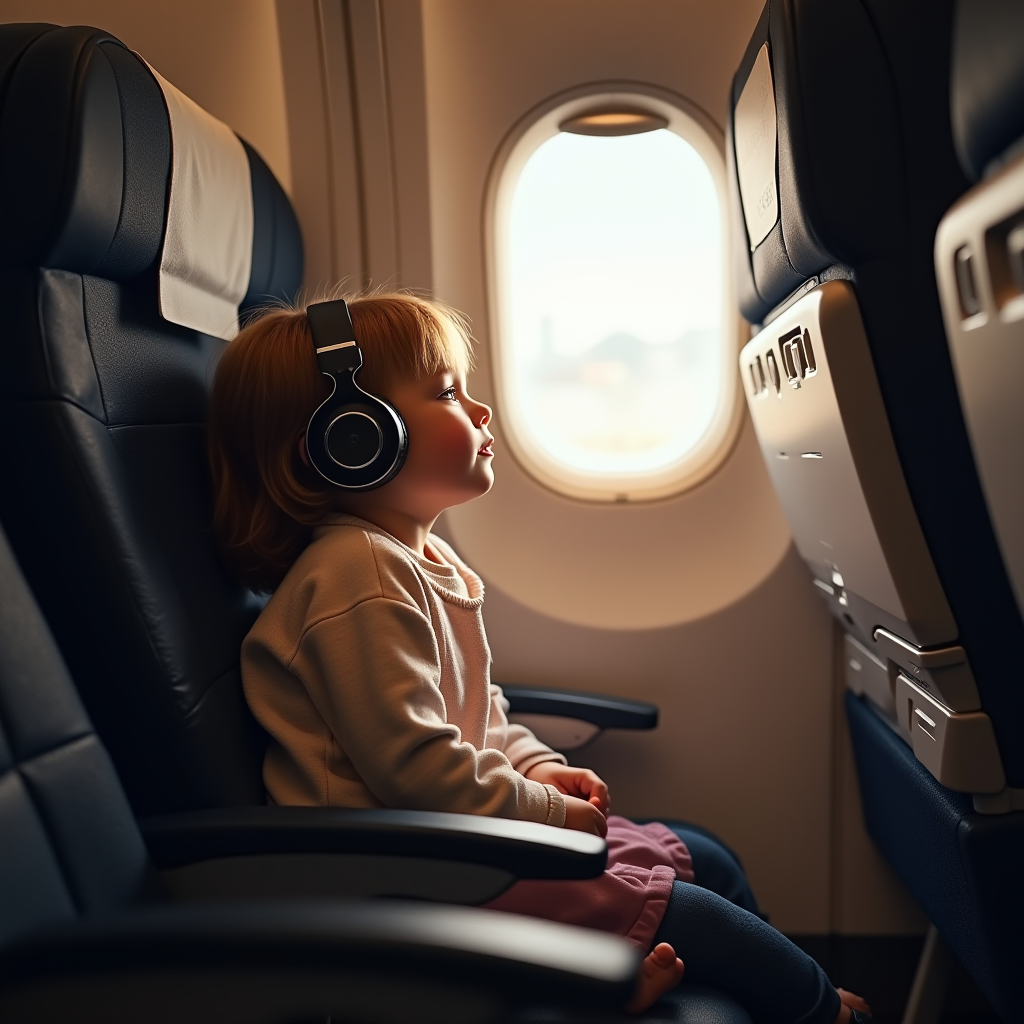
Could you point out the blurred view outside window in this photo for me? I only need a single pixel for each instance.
(614, 290)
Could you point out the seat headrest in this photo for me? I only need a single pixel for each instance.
(831, 135)
(86, 160)
(987, 92)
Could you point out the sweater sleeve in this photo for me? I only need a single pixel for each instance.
(521, 747)
(373, 673)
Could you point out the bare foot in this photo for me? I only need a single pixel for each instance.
(660, 971)
(850, 1001)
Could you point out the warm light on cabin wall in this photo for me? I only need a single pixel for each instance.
(614, 342)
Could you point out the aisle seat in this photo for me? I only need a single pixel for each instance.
(842, 162)
(979, 260)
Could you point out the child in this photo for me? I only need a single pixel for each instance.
(369, 666)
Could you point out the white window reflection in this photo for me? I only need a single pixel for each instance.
(613, 296)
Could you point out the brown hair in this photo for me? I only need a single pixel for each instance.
(267, 385)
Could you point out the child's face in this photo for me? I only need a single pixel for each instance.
(450, 458)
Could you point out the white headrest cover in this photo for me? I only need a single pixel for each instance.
(207, 254)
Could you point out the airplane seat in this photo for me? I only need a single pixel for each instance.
(106, 495)
(842, 163)
(979, 260)
(135, 230)
(106, 499)
(87, 934)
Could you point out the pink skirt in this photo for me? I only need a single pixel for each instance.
(628, 899)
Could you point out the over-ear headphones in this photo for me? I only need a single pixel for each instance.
(355, 440)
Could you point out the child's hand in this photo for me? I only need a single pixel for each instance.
(577, 782)
(584, 817)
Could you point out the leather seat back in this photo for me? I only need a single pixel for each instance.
(106, 495)
(70, 846)
(842, 163)
(979, 259)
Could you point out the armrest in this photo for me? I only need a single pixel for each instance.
(523, 848)
(297, 961)
(604, 712)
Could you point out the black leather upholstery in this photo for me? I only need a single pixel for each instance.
(75, 943)
(841, 96)
(86, 935)
(988, 81)
(840, 204)
(523, 849)
(70, 845)
(343, 962)
(102, 412)
(867, 168)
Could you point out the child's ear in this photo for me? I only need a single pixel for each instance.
(303, 454)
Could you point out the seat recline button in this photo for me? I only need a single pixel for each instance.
(958, 748)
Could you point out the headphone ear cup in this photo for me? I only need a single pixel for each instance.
(355, 440)
(401, 439)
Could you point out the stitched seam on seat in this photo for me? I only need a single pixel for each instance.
(85, 323)
(194, 710)
(96, 509)
(55, 845)
(53, 400)
(24, 762)
(150, 426)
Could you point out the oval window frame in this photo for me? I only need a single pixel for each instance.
(696, 128)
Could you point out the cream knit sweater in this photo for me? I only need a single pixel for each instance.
(370, 669)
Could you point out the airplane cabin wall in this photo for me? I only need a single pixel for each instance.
(224, 55)
(383, 118)
(739, 654)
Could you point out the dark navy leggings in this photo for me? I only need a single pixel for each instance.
(716, 929)
(716, 866)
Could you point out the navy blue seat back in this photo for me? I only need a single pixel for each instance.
(106, 495)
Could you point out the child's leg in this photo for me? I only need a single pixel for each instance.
(728, 948)
(716, 867)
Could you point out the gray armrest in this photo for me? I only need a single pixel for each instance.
(567, 719)
(272, 962)
(292, 852)
(604, 712)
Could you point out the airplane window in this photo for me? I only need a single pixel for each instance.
(612, 381)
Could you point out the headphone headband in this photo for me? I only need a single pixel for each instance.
(355, 440)
(334, 337)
